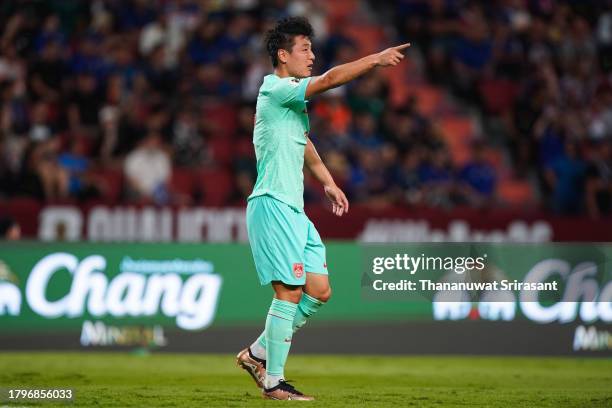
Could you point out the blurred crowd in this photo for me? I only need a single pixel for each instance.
(153, 101)
(541, 71)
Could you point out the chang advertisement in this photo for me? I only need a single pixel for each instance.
(419, 298)
(116, 296)
(185, 290)
(583, 297)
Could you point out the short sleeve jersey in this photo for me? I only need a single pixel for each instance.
(280, 135)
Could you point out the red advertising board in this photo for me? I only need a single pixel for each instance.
(390, 224)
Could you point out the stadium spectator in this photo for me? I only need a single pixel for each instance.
(40, 129)
(76, 163)
(188, 141)
(85, 104)
(566, 176)
(436, 175)
(368, 180)
(599, 116)
(47, 74)
(147, 170)
(89, 60)
(10, 230)
(332, 109)
(477, 179)
(473, 50)
(369, 94)
(364, 134)
(409, 180)
(40, 175)
(160, 76)
(599, 180)
(406, 128)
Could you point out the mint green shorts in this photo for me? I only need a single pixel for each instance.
(284, 242)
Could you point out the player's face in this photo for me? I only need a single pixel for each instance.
(301, 58)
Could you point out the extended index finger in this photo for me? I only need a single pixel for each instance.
(402, 47)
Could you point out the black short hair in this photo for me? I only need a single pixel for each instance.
(282, 36)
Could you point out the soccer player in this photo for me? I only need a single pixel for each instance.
(287, 249)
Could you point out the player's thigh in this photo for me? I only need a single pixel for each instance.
(277, 241)
(317, 279)
(315, 256)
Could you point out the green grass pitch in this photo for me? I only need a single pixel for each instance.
(201, 380)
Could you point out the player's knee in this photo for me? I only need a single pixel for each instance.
(327, 295)
(324, 295)
(294, 296)
(287, 293)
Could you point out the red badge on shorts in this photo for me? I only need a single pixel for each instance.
(298, 270)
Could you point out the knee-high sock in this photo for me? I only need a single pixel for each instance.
(278, 335)
(305, 309)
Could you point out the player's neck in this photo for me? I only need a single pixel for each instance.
(281, 72)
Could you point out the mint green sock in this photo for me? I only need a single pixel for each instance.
(305, 309)
(278, 335)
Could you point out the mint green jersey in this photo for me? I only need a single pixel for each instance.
(281, 129)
